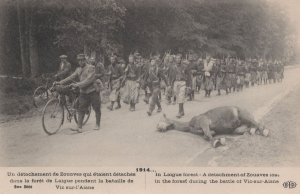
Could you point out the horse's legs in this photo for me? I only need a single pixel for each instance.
(241, 130)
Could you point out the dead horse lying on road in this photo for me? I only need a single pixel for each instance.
(220, 120)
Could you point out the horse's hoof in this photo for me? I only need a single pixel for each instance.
(216, 143)
(252, 131)
(266, 132)
(223, 141)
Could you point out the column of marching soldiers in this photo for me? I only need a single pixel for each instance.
(178, 77)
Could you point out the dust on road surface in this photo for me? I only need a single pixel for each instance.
(131, 139)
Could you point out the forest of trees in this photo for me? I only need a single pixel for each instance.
(35, 32)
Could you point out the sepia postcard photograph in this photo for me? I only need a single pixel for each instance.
(140, 84)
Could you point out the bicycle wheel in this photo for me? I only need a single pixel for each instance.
(86, 116)
(53, 116)
(40, 97)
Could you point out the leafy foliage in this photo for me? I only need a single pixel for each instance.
(242, 28)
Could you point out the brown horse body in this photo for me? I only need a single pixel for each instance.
(221, 120)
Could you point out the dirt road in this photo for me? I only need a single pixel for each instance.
(130, 138)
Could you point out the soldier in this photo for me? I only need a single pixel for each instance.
(171, 76)
(199, 74)
(253, 72)
(247, 73)
(154, 77)
(264, 72)
(86, 75)
(271, 71)
(131, 86)
(65, 68)
(99, 75)
(208, 79)
(281, 71)
(227, 78)
(115, 73)
(192, 71)
(240, 71)
(220, 75)
(180, 84)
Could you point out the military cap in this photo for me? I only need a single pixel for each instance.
(80, 56)
(63, 56)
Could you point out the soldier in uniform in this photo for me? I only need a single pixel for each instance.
(253, 72)
(271, 71)
(65, 68)
(227, 78)
(220, 74)
(115, 73)
(192, 75)
(240, 70)
(180, 84)
(199, 74)
(154, 77)
(171, 77)
(132, 85)
(264, 72)
(208, 75)
(86, 75)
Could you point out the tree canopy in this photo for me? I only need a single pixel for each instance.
(36, 32)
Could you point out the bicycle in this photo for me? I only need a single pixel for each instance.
(54, 111)
(42, 94)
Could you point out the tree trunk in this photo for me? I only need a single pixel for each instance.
(22, 38)
(27, 15)
(33, 49)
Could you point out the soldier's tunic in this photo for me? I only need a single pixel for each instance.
(131, 85)
(220, 75)
(253, 73)
(171, 77)
(116, 73)
(247, 75)
(232, 74)
(270, 71)
(88, 94)
(240, 70)
(264, 72)
(154, 77)
(227, 79)
(200, 75)
(180, 83)
(208, 79)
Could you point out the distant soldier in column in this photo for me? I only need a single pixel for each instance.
(115, 74)
(64, 70)
(154, 77)
(199, 75)
(271, 71)
(171, 77)
(253, 72)
(131, 86)
(220, 75)
(192, 70)
(264, 72)
(208, 80)
(180, 84)
(281, 71)
(240, 69)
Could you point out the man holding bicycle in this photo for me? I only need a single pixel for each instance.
(85, 73)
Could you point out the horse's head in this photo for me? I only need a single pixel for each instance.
(165, 124)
